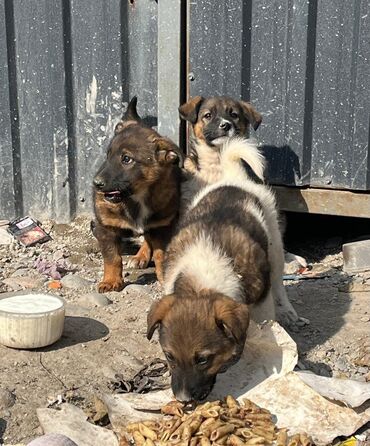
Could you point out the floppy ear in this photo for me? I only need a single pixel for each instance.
(251, 114)
(157, 313)
(130, 116)
(189, 110)
(167, 152)
(232, 317)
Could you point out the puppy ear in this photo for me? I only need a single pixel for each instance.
(157, 313)
(189, 110)
(130, 116)
(168, 153)
(131, 112)
(232, 318)
(251, 114)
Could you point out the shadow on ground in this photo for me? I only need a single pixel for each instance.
(78, 330)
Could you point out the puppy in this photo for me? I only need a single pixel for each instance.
(213, 121)
(223, 266)
(137, 188)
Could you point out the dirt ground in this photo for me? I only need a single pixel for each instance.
(99, 341)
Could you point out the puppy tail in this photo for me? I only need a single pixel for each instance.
(237, 149)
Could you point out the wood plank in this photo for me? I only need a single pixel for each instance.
(323, 201)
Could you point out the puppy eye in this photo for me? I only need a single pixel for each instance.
(127, 159)
(202, 360)
(169, 357)
(233, 114)
(207, 115)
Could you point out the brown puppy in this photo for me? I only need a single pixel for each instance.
(223, 266)
(214, 120)
(136, 189)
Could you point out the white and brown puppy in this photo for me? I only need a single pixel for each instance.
(224, 265)
(213, 121)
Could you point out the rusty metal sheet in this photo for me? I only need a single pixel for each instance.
(7, 194)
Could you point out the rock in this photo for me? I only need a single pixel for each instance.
(5, 237)
(135, 289)
(341, 364)
(21, 283)
(94, 300)
(7, 399)
(74, 282)
(12, 284)
(52, 440)
(20, 272)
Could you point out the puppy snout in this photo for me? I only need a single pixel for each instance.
(225, 125)
(99, 182)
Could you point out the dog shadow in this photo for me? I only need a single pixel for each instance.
(321, 302)
(150, 121)
(2, 429)
(283, 165)
(78, 330)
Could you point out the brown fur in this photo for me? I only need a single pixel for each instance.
(204, 129)
(196, 319)
(141, 196)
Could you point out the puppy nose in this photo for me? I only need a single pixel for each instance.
(183, 397)
(225, 126)
(99, 182)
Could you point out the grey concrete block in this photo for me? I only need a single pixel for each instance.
(356, 256)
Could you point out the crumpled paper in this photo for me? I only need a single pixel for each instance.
(301, 409)
(72, 422)
(350, 392)
(265, 375)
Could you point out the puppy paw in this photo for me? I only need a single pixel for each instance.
(287, 317)
(138, 262)
(105, 286)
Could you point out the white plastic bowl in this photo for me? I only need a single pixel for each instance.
(31, 320)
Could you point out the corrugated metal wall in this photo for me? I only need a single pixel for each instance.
(305, 66)
(65, 67)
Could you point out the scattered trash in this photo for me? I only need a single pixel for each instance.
(72, 422)
(263, 375)
(55, 269)
(352, 393)
(305, 274)
(148, 379)
(293, 263)
(28, 231)
(54, 285)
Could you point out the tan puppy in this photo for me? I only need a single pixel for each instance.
(137, 191)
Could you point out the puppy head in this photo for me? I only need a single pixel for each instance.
(200, 338)
(137, 157)
(217, 118)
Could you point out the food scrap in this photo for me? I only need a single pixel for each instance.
(213, 423)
